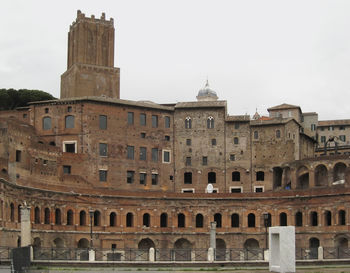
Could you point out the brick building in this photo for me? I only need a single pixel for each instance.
(143, 168)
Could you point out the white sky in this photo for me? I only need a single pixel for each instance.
(256, 54)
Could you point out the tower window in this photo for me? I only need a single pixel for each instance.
(235, 140)
(188, 161)
(154, 121)
(46, 123)
(204, 160)
(103, 175)
(213, 141)
(103, 149)
(154, 154)
(130, 152)
(167, 122)
(103, 122)
(210, 123)
(69, 122)
(143, 119)
(130, 118)
(143, 153)
(256, 134)
(188, 123)
(188, 142)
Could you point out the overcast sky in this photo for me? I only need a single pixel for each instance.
(256, 54)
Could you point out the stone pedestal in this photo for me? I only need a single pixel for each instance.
(26, 228)
(91, 255)
(212, 242)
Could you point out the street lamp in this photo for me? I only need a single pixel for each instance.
(91, 213)
(266, 223)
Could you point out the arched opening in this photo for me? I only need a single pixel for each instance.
(313, 218)
(299, 219)
(70, 217)
(12, 212)
(199, 220)
(181, 220)
(19, 241)
(19, 213)
(211, 177)
(235, 220)
(342, 244)
(314, 243)
(327, 218)
(146, 244)
(164, 220)
(97, 218)
(82, 218)
(287, 181)
(277, 177)
(182, 250)
(218, 220)
(47, 216)
(37, 215)
(251, 244)
(321, 176)
(251, 220)
(58, 220)
(146, 221)
(112, 219)
(342, 218)
(129, 219)
(303, 178)
(339, 172)
(220, 251)
(58, 242)
(283, 219)
(83, 243)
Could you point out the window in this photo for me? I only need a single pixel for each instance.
(69, 146)
(47, 216)
(218, 220)
(166, 156)
(103, 175)
(188, 178)
(210, 123)
(103, 149)
(188, 142)
(129, 220)
(298, 219)
(283, 219)
(25, 115)
(341, 127)
(130, 118)
(154, 154)
(18, 155)
(187, 190)
(260, 176)
(313, 127)
(236, 189)
(143, 177)
(163, 220)
(58, 217)
(251, 220)
(146, 220)
(213, 141)
(69, 217)
(69, 109)
(37, 215)
(130, 152)
(234, 220)
(278, 133)
(113, 220)
(236, 125)
(188, 161)
(143, 153)
(211, 177)
(154, 179)
(342, 138)
(143, 135)
(143, 119)
(188, 123)
(46, 123)
(199, 220)
(69, 122)
(256, 134)
(167, 122)
(323, 139)
(154, 121)
(236, 176)
(330, 128)
(66, 169)
(130, 176)
(181, 220)
(103, 122)
(167, 138)
(322, 128)
(232, 157)
(46, 110)
(235, 140)
(204, 160)
(258, 189)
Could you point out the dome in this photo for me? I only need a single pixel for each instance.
(206, 93)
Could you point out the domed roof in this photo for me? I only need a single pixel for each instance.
(207, 93)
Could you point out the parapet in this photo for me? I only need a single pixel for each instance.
(82, 18)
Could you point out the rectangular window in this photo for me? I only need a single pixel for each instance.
(188, 161)
(167, 138)
(232, 157)
(154, 121)
(204, 160)
(236, 189)
(258, 189)
(130, 152)
(130, 176)
(103, 175)
(66, 169)
(213, 142)
(103, 149)
(236, 125)
(323, 139)
(143, 153)
(130, 118)
(313, 127)
(154, 154)
(187, 190)
(143, 135)
(342, 138)
(167, 122)
(143, 119)
(70, 146)
(256, 134)
(103, 122)
(341, 127)
(322, 128)
(46, 123)
(166, 156)
(154, 178)
(330, 128)
(18, 155)
(188, 178)
(188, 142)
(143, 177)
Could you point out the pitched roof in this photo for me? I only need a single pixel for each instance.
(284, 106)
(334, 122)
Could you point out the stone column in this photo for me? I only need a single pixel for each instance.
(26, 228)
(212, 242)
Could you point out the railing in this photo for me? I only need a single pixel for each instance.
(5, 253)
(336, 253)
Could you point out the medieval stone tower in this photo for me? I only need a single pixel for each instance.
(90, 64)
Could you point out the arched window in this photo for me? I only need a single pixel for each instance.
(112, 219)
(251, 220)
(181, 220)
(97, 218)
(19, 213)
(12, 212)
(188, 123)
(278, 133)
(146, 220)
(163, 220)
(260, 176)
(235, 220)
(46, 123)
(129, 219)
(211, 177)
(328, 218)
(37, 215)
(341, 218)
(299, 219)
(210, 122)
(58, 220)
(199, 220)
(69, 217)
(283, 219)
(218, 220)
(47, 216)
(69, 122)
(82, 218)
(236, 176)
(313, 218)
